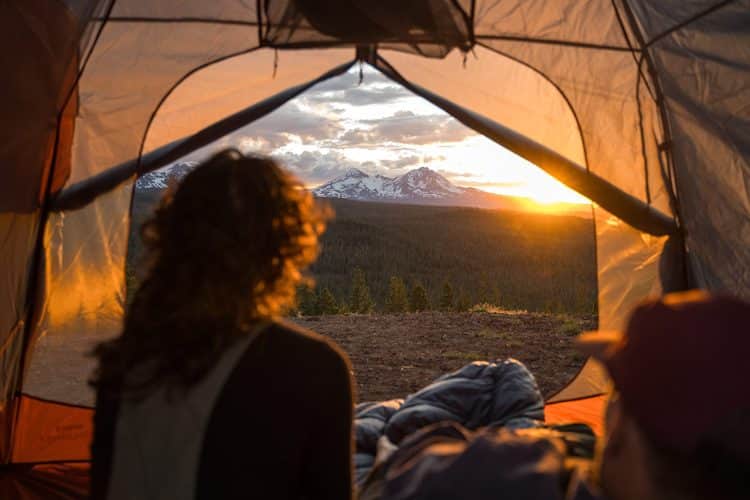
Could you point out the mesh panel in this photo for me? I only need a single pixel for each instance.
(428, 27)
(569, 21)
(84, 264)
(187, 11)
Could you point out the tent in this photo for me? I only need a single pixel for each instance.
(642, 106)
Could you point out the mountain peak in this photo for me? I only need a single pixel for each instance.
(354, 172)
(163, 177)
(419, 185)
(424, 172)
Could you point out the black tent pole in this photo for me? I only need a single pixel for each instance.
(84, 192)
(625, 206)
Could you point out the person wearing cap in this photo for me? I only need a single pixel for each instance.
(677, 424)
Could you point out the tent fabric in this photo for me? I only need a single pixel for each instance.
(706, 88)
(51, 432)
(652, 97)
(58, 481)
(589, 411)
(628, 269)
(42, 72)
(635, 212)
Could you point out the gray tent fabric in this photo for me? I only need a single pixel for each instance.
(653, 98)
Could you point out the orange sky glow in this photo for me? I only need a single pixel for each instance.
(381, 128)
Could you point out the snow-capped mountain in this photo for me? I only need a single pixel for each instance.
(164, 177)
(420, 186)
(414, 185)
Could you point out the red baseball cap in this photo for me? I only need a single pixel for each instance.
(682, 368)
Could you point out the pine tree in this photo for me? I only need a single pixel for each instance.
(327, 302)
(397, 300)
(497, 296)
(446, 298)
(360, 300)
(484, 294)
(463, 303)
(418, 300)
(307, 301)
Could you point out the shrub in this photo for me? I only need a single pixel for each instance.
(397, 300)
(446, 297)
(418, 300)
(360, 299)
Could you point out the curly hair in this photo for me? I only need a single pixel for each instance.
(225, 251)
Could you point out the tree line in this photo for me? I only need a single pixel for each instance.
(313, 301)
(514, 260)
(508, 259)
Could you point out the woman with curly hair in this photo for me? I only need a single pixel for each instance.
(207, 393)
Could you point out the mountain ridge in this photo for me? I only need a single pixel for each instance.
(424, 186)
(420, 186)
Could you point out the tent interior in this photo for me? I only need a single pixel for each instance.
(642, 108)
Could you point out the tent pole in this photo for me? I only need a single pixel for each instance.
(84, 192)
(625, 206)
(673, 265)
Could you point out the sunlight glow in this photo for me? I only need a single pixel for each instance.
(322, 135)
(490, 167)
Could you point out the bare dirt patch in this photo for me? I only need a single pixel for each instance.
(395, 355)
(392, 355)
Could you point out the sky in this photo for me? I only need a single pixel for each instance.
(380, 127)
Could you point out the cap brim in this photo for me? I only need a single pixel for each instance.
(597, 343)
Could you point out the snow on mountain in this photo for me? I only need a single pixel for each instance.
(420, 186)
(162, 178)
(416, 184)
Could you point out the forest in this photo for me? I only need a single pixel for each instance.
(384, 257)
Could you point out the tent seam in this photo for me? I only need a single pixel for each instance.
(553, 41)
(667, 143)
(661, 104)
(687, 22)
(630, 44)
(179, 20)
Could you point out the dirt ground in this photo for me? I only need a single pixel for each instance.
(392, 355)
(395, 355)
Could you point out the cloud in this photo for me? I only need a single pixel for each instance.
(468, 182)
(404, 161)
(454, 173)
(374, 89)
(286, 124)
(409, 128)
(316, 167)
(356, 137)
(411, 160)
